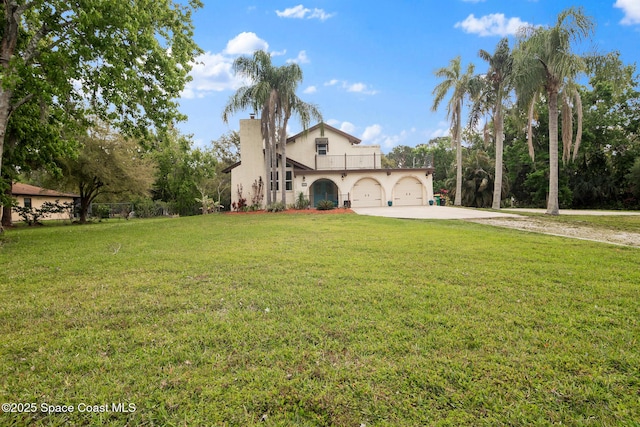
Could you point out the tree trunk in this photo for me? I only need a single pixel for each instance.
(267, 167)
(5, 111)
(552, 203)
(497, 183)
(6, 210)
(283, 165)
(10, 33)
(274, 164)
(267, 154)
(458, 198)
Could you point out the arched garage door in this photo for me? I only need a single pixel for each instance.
(407, 192)
(366, 193)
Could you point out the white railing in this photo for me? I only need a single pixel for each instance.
(348, 162)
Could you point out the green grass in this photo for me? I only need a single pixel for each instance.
(318, 320)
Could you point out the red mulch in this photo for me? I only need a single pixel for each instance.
(295, 211)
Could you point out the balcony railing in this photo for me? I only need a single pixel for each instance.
(365, 161)
(348, 162)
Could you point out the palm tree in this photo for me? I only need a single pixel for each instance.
(288, 104)
(258, 96)
(272, 92)
(544, 64)
(497, 87)
(453, 79)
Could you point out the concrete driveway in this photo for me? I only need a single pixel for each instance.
(451, 212)
(431, 212)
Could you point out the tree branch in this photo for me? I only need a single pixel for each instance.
(31, 50)
(20, 102)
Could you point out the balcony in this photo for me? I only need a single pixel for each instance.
(348, 162)
(365, 161)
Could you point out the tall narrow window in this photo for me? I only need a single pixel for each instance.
(27, 202)
(289, 181)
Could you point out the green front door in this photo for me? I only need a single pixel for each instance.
(325, 190)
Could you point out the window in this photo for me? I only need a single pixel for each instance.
(27, 202)
(322, 146)
(289, 181)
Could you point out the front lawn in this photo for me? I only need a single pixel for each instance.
(339, 320)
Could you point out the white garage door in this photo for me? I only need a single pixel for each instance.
(366, 193)
(407, 192)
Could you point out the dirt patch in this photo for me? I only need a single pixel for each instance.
(566, 230)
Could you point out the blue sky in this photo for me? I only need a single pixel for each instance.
(369, 66)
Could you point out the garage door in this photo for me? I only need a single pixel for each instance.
(407, 192)
(366, 193)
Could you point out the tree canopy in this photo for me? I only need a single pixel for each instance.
(123, 62)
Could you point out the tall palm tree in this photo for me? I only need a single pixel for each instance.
(459, 83)
(288, 104)
(497, 87)
(258, 96)
(272, 92)
(544, 64)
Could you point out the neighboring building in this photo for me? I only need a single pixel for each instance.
(326, 163)
(30, 195)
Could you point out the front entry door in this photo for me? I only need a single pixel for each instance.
(324, 190)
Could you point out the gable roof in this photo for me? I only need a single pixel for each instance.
(20, 189)
(352, 139)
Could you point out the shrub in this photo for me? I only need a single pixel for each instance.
(241, 204)
(325, 205)
(276, 207)
(101, 211)
(32, 216)
(301, 202)
(147, 208)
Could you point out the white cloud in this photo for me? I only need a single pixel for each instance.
(211, 73)
(301, 59)
(321, 14)
(301, 12)
(352, 87)
(495, 24)
(374, 135)
(348, 127)
(293, 12)
(631, 9)
(245, 44)
(310, 89)
(371, 133)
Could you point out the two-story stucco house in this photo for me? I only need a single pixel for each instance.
(325, 163)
